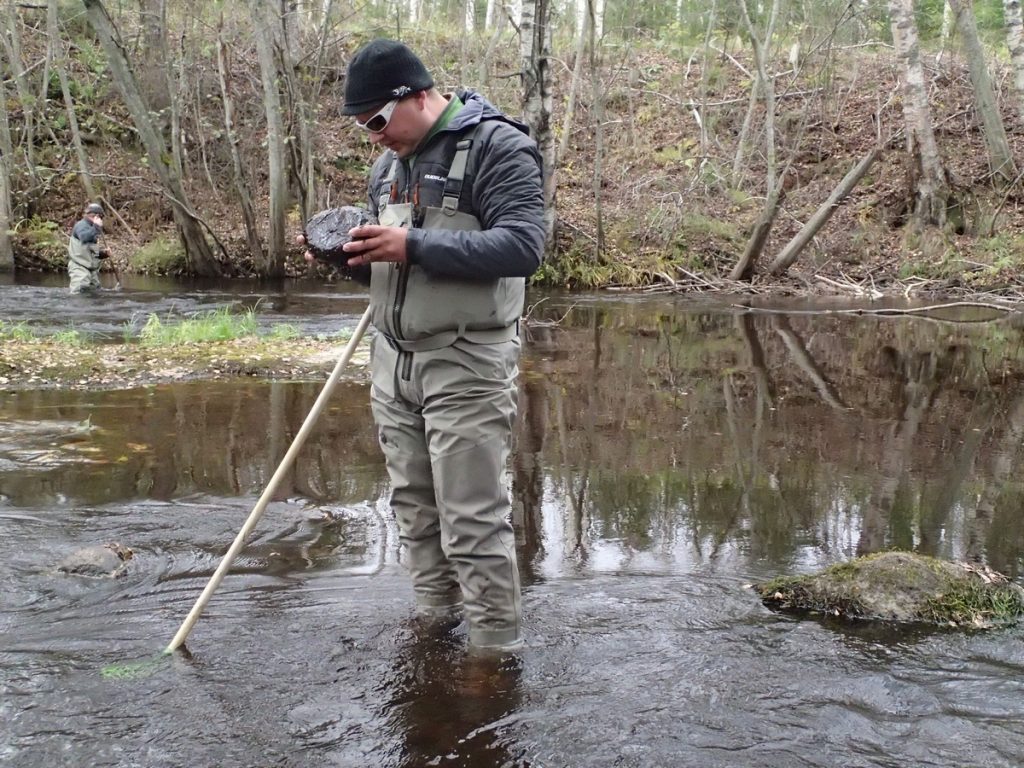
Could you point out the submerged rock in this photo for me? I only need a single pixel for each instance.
(902, 587)
(327, 232)
(99, 561)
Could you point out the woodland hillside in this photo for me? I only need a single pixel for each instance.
(686, 143)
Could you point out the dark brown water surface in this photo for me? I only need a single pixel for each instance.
(668, 453)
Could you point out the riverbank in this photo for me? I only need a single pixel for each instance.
(48, 363)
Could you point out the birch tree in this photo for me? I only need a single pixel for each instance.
(1015, 44)
(999, 155)
(198, 253)
(535, 52)
(929, 175)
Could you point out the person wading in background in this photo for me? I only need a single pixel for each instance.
(84, 252)
(459, 202)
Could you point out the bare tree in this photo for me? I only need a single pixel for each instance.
(60, 65)
(241, 179)
(1015, 44)
(198, 252)
(930, 176)
(273, 263)
(535, 52)
(999, 155)
(774, 191)
(11, 42)
(6, 158)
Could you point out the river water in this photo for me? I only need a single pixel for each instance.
(669, 452)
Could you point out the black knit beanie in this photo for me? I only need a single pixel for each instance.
(380, 71)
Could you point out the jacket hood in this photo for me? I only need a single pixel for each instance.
(477, 109)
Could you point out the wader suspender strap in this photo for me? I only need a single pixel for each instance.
(386, 185)
(457, 172)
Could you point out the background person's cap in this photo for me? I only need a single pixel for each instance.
(380, 71)
(94, 208)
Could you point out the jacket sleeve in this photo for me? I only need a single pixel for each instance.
(508, 200)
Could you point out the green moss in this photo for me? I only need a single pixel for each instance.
(160, 257)
(44, 239)
(901, 586)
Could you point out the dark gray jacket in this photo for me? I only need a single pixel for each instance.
(83, 245)
(502, 190)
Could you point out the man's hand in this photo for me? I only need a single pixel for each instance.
(307, 255)
(372, 242)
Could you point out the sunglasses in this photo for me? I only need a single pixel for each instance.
(380, 120)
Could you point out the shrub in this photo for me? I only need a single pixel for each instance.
(162, 256)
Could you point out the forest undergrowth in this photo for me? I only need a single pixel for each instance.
(654, 190)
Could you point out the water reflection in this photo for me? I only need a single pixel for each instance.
(666, 454)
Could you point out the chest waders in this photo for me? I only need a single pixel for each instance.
(444, 399)
(83, 265)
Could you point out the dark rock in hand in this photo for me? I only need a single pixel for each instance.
(327, 232)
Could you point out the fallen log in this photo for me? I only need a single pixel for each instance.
(793, 248)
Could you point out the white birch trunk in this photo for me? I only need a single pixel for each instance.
(930, 181)
(535, 51)
(490, 15)
(1015, 44)
(469, 18)
(598, 19)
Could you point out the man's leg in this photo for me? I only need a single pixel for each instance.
(400, 432)
(80, 277)
(471, 409)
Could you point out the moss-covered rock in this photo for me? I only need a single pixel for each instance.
(902, 587)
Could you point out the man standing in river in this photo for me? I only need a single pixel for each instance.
(459, 201)
(84, 252)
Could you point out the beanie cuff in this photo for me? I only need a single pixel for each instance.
(381, 71)
(358, 107)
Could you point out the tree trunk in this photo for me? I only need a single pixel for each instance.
(999, 155)
(198, 253)
(537, 101)
(574, 87)
(947, 31)
(760, 49)
(597, 107)
(60, 64)
(12, 47)
(300, 117)
(252, 234)
(6, 252)
(1015, 44)
(789, 254)
(930, 177)
(273, 264)
(744, 268)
